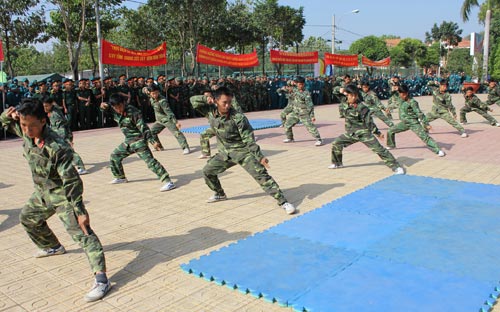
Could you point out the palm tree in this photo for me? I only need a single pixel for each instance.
(467, 6)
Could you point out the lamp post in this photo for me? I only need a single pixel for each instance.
(333, 32)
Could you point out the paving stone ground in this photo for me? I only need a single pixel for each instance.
(148, 234)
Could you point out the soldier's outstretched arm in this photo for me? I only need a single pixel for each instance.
(9, 120)
(201, 104)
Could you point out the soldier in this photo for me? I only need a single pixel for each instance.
(70, 103)
(58, 189)
(59, 124)
(31, 91)
(236, 145)
(338, 91)
(288, 91)
(56, 93)
(493, 93)
(84, 96)
(442, 106)
(394, 99)
(303, 111)
(97, 98)
(174, 97)
(371, 100)
(412, 119)
(474, 104)
(42, 92)
(137, 134)
(165, 119)
(359, 127)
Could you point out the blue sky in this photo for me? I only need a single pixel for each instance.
(384, 17)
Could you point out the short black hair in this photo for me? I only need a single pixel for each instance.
(222, 91)
(116, 99)
(403, 88)
(153, 87)
(300, 79)
(32, 107)
(469, 89)
(365, 83)
(444, 82)
(352, 89)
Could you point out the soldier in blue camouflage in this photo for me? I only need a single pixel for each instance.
(442, 106)
(165, 118)
(236, 145)
(474, 104)
(303, 111)
(137, 135)
(58, 190)
(59, 124)
(359, 127)
(412, 119)
(493, 93)
(371, 100)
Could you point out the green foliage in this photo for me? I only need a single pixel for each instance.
(431, 58)
(315, 44)
(372, 47)
(459, 60)
(399, 58)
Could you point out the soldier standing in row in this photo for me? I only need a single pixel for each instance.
(303, 111)
(70, 103)
(137, 135)
(236, 145)
(442, 106)
(58, 190)
(165, 119)
(359, 127)
(412, 119)
(474, 104)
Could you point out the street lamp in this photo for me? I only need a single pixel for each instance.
(333, 28)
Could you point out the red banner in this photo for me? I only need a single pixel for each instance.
(282, 57)
(117, 55)
(341, 60)
(206, 55)
(1, 51)
(382, 63)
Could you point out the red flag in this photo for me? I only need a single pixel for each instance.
(117, 55)
(382, 63)
(341, 59)
(205, 55)
(282, 57)
(1, 51)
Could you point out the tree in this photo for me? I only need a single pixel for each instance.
(399, 58)
(432, 57)
(20, 24)
(459, 60)
(447, 33)
(314, 44)
(372, 47)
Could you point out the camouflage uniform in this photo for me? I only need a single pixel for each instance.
(303, 111)
(474, 104)
(359, 127)
(394, 99)
(210, 133)
(236, 145)
(372, 101)
(58, 190)
(59, 124)
(166, 119)
(136, 134)
(443, 108)
(412, 119)
(341, 97)
(493, 95)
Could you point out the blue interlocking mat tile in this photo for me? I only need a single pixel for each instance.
(256, 124)
(405, 243)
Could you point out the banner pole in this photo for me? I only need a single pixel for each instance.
(4, 105)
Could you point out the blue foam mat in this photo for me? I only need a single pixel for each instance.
(256, 124)
(405, 243)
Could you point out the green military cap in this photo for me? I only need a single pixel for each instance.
(170, 78)
(179, 79)
(13, 86)
(26, 80)
(33, 84)
(41, 83)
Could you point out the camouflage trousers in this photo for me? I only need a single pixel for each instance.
(158, 127)
(41, 206)
(292, 119)
(218, 164)
(437, 113)
(417, 129)
(466, 109)
(141, 148)
(205, 141)
(367, 139)
(284, 113)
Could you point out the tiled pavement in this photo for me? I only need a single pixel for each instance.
(148, 234)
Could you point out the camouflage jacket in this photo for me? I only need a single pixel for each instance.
(132, 125)
(59, 124)
(163, 113)
(371, 100)
(475, 102)
(235, 138)
(410, 113)
(51, 166)
(441, 101)
(302, 102)
(493, 95)
(359, 117)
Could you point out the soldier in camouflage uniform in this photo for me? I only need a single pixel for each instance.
(359, 127)
(394, 99)
(442, 106)
(412, 119)
(165, 119)
(236, 145)
(58, 190)
(493, 93)
(338, 91)
(287, 91)
(371, 100)
(474, 104)
(59, 124)
(303, 111)
(137, 135)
